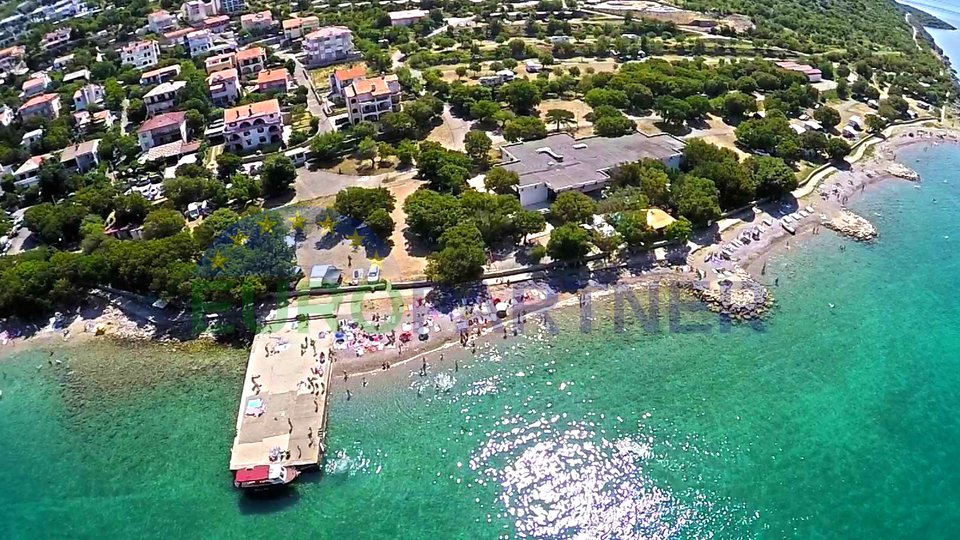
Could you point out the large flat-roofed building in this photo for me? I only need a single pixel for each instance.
(561, 163)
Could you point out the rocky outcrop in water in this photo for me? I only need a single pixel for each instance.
(740, 297)
(851, 225)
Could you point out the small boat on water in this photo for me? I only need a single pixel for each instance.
(264, 477)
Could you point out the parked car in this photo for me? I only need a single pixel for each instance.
(373, 274)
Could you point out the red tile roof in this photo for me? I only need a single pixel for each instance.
(261, 108)
(163, 120)
(348, 74)
(39, 100)
(271, 76)
(251, 53)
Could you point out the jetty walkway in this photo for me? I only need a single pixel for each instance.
(282, 417)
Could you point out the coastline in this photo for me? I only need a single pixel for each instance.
(869, 169)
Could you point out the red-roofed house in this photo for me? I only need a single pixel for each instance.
(161, 21)
(257, 22)
(224, 87)
(368, 99)
(298, 27)
(217, 24)
(159, 76)
(250, 61)
(162, 129)
(343, 78)
(813, 74)
(45, 105)
(253, 126)
(273, 80)
(36, 84)
(328, 45)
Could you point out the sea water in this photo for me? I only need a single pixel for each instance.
(835, 418)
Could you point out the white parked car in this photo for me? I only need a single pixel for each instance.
(373, 275)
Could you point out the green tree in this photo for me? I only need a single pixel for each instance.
(359, 202)
(484, 111)
(680, 230)
(277, 173)
(429, 213)
(461, 257)
(501, 181)
(327, 146)
(407, 152)
(364, 130)
(837, 148)
(478, 145)
(613, 126)
(213, 226)
(162, 223)
(697, 198)
(560, 117)
(573, 207)
(367, 149)
(227, 165)
(737, 104)
(380, 223)
(568, 242)
(521, 95)
(875, 124)
(526, 128)
(672, 110)
(527, 222)
(650, 176)
(773, 177)
(828, 116)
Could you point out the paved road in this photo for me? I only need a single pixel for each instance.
(314, 103)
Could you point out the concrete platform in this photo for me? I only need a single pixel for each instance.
(295, 417)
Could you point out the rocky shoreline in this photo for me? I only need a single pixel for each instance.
(852, 226)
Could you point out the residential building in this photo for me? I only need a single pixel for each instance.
(253, 126)
(56, 39)
(81, 157)
(369, 99)
(142, 54)
(7, 115)
(217, 24)
(162, 98)
(176, 37)
(85, 120)
(224, 87)
(62, 62)
(342, 78)
(328, 45)
(298, 27)
(257, 22)
(813, 74)
(28, 174)
(80, 74)
(36, 84)
(15, 25)
(90, 94)
(161, 21)
(407, 16)
(251, 61)
(31, 138)
(561, 163)
(44, 105)
(163, 129)
(233, 6)
(273, 80)
(220, 62)
(199, 42)
(196, 11)
(160, 75)
(11, 59)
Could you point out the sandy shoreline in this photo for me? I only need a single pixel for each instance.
(842, 186)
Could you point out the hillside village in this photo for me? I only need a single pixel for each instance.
(404, 140)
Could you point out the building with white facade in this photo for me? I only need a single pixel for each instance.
(44, 106)
(407, 16)
(196, 11)
(56, 39)
(161, 21)
(257, 22)
(298, 27)
(220, 62)
(81, 157)
(142, 54)
(251, 61)
(163, 129)
(328, 45)
(160, 75)
(84, 97)
(163, 97)
(28, 174)
(199, 43)
(369, 99)
(36, 84)
(340, 79)
(224, 87)
(249, 127)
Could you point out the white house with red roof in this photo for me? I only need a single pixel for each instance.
(45, 106)
(253, 126)
(342, 78)
(369, 99)
(163, 129)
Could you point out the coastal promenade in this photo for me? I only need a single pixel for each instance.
(282, 417)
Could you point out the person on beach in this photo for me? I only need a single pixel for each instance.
(423, 369)
(344, 375)
(456, 366)
(290, 424)
(441, 357)
(349, 395)
(363, 381)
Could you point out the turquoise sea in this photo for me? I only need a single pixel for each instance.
(825, 422)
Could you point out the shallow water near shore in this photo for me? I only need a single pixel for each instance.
(822, 422)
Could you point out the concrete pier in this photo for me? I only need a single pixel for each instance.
(294, 417)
